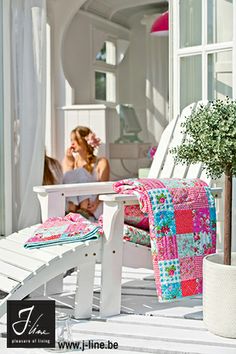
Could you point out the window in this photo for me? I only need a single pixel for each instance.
(190, 66)
(219, 21)
(101, 86)
(190, 12)
(204, 48)
(105, 86)
(108, 53)
(105, 72)
(220, 75)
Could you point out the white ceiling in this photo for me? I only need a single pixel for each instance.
(120, 11)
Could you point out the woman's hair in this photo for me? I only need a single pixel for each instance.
(52, 173)
(81, 132)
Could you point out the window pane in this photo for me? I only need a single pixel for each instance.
(190, 80)
(190, 22)
(100, 86)
(220, 75)
(220, 20)
(101, 55)
(108, 53)
(2, 212)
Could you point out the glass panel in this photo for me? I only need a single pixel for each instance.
(101, 55)
(219, 21)
(220, 75)
(190, 80)
(108, 53)
(100, 86)
(2, 212)
(190, 22)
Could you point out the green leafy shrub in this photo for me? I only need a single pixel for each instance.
(210, 138)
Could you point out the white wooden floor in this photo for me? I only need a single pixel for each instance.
(144, 325)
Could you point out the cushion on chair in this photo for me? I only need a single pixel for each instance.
(135, 235)
(135, 217)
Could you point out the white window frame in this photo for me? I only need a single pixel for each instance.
(103, 67)
(203, 50)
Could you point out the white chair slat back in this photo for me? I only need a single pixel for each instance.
(163, 165)
(194, 171)
(170, 168)
(162, 150)
(205, 178)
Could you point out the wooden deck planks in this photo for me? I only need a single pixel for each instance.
(161, 329)
(149, 326)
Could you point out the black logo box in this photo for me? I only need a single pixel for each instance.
(31, 324)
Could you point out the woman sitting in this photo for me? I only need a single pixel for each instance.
(52, 173)
(80, 165)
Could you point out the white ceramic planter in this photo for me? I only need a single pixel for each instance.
(219, 295)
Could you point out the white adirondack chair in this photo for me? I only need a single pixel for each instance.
(23, 270)
(115, 251)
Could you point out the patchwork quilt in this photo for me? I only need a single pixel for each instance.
(58, 230)
(182, 223)
(76, 228)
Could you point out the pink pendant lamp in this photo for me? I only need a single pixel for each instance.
(160, 27)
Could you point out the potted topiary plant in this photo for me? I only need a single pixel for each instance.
(211, 139)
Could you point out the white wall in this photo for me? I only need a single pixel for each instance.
(59, 17)
(137, 72)
(78, 54)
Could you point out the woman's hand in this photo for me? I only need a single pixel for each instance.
(71, 207)
(68, 163)
(69, 153)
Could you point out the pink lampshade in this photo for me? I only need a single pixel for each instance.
(160, 27)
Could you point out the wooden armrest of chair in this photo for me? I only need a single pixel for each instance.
(52, 198)
(70, 190)
(217, 192)
(123, 198)
(132, 199)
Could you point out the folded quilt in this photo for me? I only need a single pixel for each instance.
(182, 223)
(60, 230)
(76, 228)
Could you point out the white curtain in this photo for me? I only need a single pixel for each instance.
(29, 97)
(156, 81)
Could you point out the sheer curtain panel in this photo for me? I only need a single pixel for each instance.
(28, 40)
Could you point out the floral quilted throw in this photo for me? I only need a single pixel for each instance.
(76, 228)
(182, 223)
(59, 230)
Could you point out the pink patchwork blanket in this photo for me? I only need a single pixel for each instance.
(67, 229)
(76, 228)
(182, 222)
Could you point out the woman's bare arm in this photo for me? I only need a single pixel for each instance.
(103, 170)
(103, 174)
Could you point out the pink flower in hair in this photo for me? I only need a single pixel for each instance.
(93, 141)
